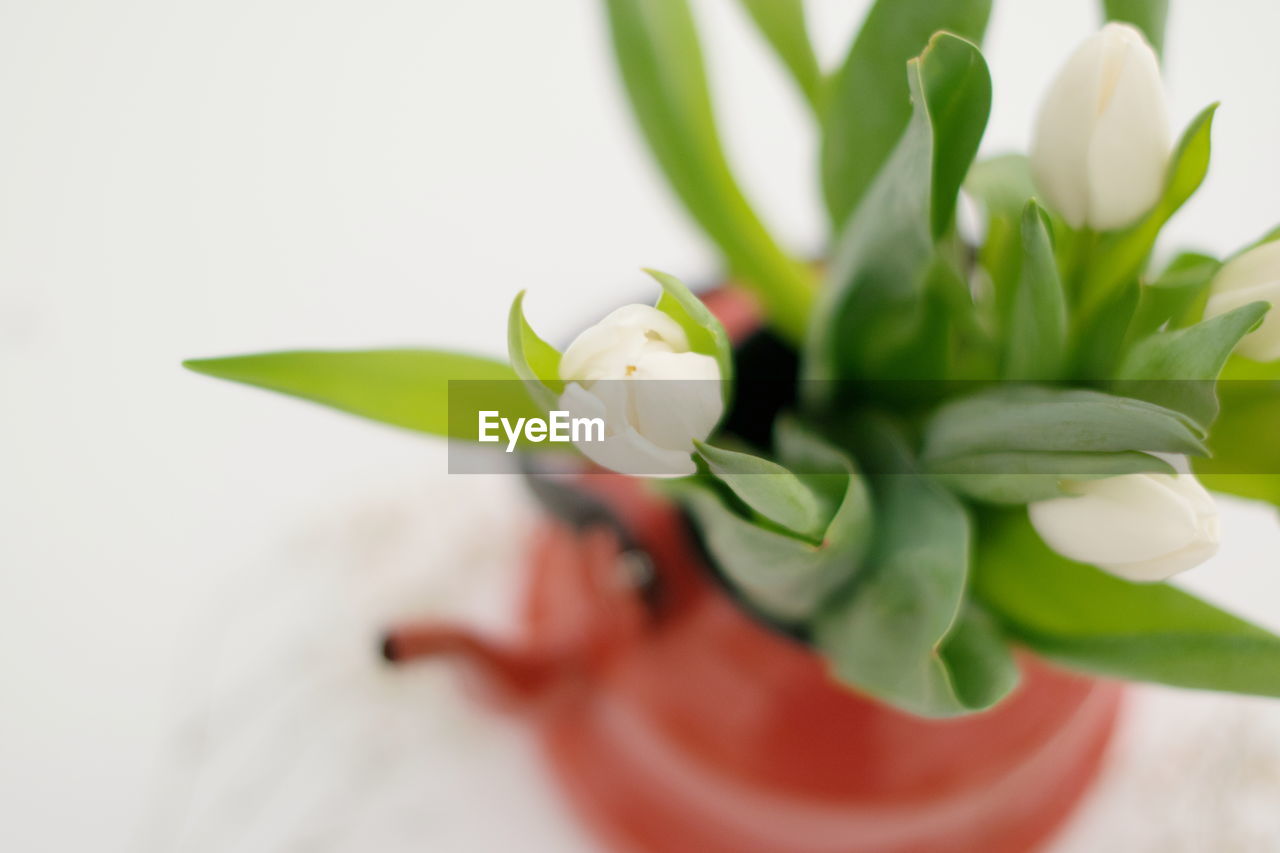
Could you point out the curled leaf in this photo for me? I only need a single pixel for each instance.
(1093, 621)
(784, 577)
(902, 632)
(534, 360)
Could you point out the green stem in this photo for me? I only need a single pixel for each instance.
(658, 52)
(1076, 264)
(785, 288)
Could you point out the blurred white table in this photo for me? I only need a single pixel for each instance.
(294, 736)
(194, 178)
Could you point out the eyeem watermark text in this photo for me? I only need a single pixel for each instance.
(559, 427)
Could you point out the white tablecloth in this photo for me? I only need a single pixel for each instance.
(296, 737)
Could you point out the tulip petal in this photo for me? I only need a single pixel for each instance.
(1252, 277)
(648, 318)
(676, 398)
(632, 454)
(623, 449)
(1193, 492)
(1119, 520)
(1260, 264)
(601, 352)
(607, 349)
(1060, 144)
(1165, 566)
(1263, 343)
(1129, 149)
(1205, 546)
(1102, 141)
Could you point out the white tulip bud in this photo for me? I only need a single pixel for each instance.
(616, 369)
(1141, 527)
(1252, 277)
(1101, 143)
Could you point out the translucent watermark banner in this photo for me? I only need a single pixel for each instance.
(945, 429)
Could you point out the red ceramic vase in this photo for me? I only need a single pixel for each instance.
(683, 725)
(678, 723)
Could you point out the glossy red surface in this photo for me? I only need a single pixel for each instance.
(682, 725)
(688, 727)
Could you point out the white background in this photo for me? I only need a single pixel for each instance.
(192, 178)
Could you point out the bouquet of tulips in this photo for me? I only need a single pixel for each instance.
(986, 418)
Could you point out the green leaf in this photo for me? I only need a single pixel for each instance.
(976, 662)
(1177, 295)
(658, 53)
(769, 489)
(1245, 458)
(782, 23)
(1040, 419)
(873, 306)
(1089, 620)
(957, 92)
(1187, 168)
(407, 388)
(783, 577)
(1023, 477)
(1100, 339)
(1120, 255)
(1002, 186)
(534, 360)
(1178, 369)
(1254, 487)
(706, 334)
(1239, 369)
(1147, 15)
(901, 632)
(1036, 342)
(869, 107)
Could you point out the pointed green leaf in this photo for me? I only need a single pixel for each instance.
(1002, 186)
(1245, 458)
(1041, 419)
(1249, 396)
(816, 462)
(869, 105)
(1177, 294)
(1090, 620)
(873, 306)
(407, 388)
(1036, 341)
(977, 663)
(659, 55)
(1177, 369)
(782, 23)
(901, 631)
(1023, 477)
(534, 360)
(1100, 338)
(706, 334)
(1187, 167)
(783, 577)
(957, 92)
(1120, 255)
(769, 489)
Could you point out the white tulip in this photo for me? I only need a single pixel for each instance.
(1252, 277)
(1141, 527)
(1101, 143)
(616, 369)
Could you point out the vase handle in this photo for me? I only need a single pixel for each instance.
(516, 675)
(585, 608)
